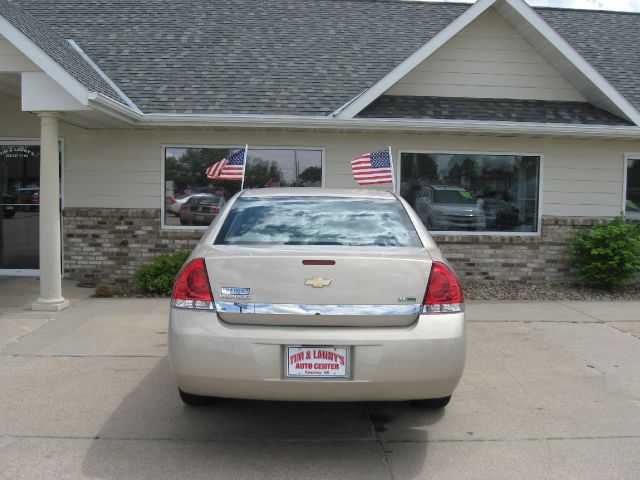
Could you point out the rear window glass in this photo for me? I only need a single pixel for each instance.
(318, 221)
(204, 200)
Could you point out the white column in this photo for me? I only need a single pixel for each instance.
(50, 265)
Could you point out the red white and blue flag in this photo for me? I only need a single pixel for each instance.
(230, 167)
(373, 168)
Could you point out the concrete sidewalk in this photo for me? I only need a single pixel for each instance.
(551, 390)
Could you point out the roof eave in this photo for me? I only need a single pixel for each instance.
(131, 118)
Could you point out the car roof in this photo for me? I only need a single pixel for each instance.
(317, 192)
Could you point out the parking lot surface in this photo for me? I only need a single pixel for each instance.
(551, 390)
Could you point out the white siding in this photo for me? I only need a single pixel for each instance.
(488, 59)
(122, 168)
(12, 60)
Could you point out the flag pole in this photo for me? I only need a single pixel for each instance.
(244, 165)
(393, 173)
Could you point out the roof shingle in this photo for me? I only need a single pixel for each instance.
(490, 109)
(54, 45)
(297, 57)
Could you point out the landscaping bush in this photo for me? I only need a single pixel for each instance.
(607, 255)
(157, 277)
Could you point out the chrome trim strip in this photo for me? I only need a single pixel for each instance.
(302, 309)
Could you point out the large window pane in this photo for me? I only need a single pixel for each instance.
(186, 183)
(472, 192)
(632, 204)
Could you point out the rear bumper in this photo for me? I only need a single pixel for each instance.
(214, 358)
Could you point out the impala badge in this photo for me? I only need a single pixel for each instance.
(235, 293)
(317, 282)
(407, 299)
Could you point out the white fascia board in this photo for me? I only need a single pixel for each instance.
(355, 106)
(43, 61)
(120, 111)
(391, 124)
(573, 57)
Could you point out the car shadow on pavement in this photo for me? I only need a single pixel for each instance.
(152, 434)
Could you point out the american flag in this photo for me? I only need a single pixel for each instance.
(373, 168)
(229, 168)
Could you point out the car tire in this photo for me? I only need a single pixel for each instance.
(195, 400)
(184, 222)
(432, 402)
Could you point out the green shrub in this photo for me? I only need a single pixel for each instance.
(606, 254)
(157, 277)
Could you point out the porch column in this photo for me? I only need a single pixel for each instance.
(50, 298)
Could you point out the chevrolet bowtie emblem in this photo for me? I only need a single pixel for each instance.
(317, 282)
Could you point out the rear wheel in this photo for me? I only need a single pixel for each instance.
(432, 402)
(195, 400)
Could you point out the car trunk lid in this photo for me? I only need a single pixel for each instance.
(335, 286)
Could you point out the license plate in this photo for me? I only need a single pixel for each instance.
(199, 218)
(317, 361)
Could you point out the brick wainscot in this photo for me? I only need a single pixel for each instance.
(108, 245)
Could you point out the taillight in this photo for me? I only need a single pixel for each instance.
(185, 207)
(214, 210)
(171, 200)
(444, 293)
(192, 289)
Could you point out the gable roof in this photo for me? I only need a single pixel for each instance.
(610, 41)
(57, 48)
(282, 57)
(584, 77)
(303, 57)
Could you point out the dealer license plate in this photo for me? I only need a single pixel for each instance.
(317, 361)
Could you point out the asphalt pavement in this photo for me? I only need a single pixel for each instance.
(551, 391)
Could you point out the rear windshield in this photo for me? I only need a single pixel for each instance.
(318, 221)
(204, 201)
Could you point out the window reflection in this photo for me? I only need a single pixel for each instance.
(469, 192)
(20, 204)
(185, 178)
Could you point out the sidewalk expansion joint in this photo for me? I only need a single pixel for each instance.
(623, 331)
(194, 440)
(579, 311)
(377, 441)
(524, 439)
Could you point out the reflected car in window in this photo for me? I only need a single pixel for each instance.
(320, 295)
(500, 215)
(8, 205)
(449, 208)
(200, 209)
(29, 198)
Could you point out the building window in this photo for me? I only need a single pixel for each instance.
(472, 192)
(632, 198)
(193, 200)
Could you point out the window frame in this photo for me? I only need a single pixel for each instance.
(540, 155)
(164, 146)
(627, 156)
